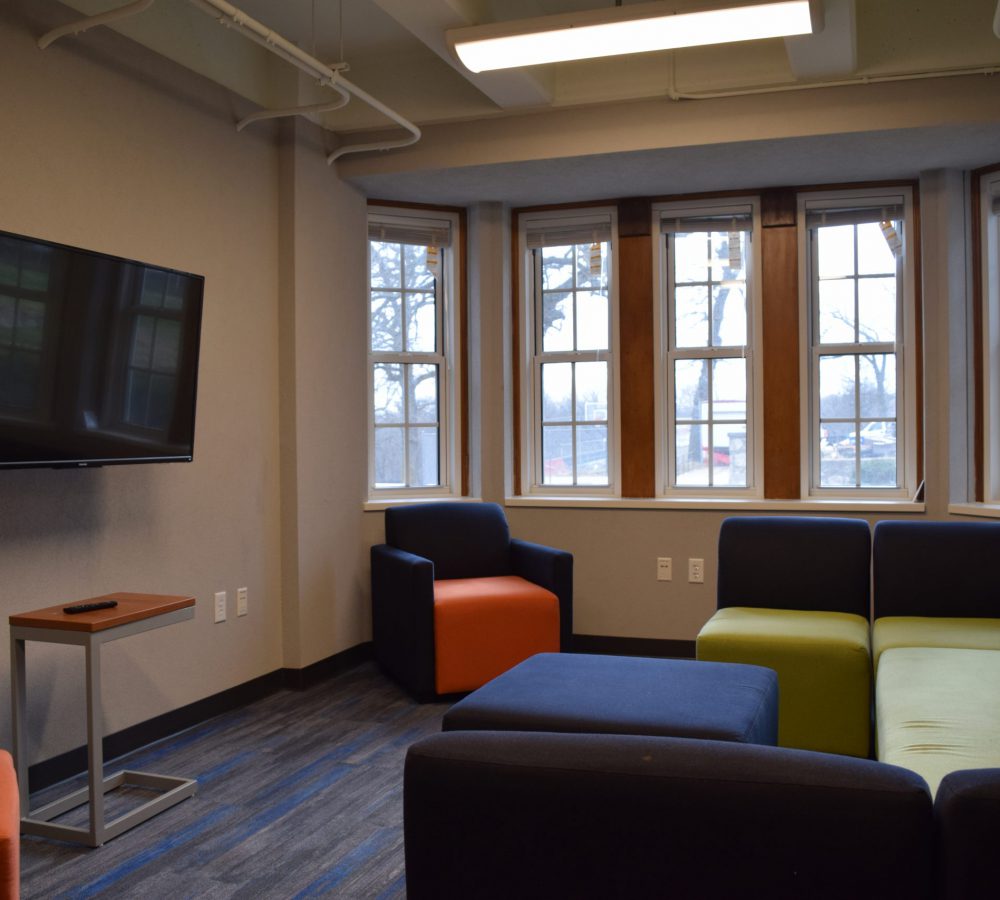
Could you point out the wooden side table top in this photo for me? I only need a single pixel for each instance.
(130, 608)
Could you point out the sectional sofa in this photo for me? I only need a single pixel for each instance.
(500, 814)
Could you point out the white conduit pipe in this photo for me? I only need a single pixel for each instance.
(847, 82)
(106, 18)
(274, 42)
(292, 111)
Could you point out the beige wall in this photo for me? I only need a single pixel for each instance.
(108, 147)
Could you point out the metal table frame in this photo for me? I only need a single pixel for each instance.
(40, 822)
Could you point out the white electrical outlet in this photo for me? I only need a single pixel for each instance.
(696, 571)
(241, 602)
(664, 568)
(220, 607)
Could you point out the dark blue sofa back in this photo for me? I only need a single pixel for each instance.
(936, 569)
(795, 562)
(463, 540)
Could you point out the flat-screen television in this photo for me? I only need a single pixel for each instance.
(98, 357)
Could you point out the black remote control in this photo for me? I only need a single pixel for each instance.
(89, 607)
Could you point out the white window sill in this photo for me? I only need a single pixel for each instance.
(841, 504)
(982, 510)
(379, 505)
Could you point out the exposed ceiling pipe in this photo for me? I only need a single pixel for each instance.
(293, 111)
(105, 18)
(232, 17)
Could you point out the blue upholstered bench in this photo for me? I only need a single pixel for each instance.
(590, 694)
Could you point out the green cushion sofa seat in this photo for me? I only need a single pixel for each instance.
(823, 665)
(934, 631)
(938, 710)
(794, 595)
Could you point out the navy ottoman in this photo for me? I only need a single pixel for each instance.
(590, 694)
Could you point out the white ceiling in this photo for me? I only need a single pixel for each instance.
(396, 51)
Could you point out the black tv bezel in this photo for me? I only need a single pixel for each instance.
(100, 462)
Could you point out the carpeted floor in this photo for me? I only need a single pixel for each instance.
(299, 795)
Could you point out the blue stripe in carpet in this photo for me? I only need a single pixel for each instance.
(360, 854)
(262, 820)
(223, 768)
(133, 863)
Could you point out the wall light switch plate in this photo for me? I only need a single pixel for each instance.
(664, 568)
(220, 607)
(241, 602)
(696, 571)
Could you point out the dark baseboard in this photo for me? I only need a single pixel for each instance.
(50, 771)
(626, 646)
(300, 679)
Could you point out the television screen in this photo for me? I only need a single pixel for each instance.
(98, 357)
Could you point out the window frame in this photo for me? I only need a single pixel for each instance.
(989, 275)
(666, 353)
(447, 356)
(531, 358)
(904, 346)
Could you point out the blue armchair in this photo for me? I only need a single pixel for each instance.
(456, 601)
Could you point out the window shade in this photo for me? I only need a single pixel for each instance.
(562, 232)
(422, 232)
(859, 215)
(735, 220)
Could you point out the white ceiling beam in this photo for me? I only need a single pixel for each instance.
(428, 20)
(830, 52)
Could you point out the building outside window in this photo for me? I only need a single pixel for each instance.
(568, 328)
(859, 426)
(708, 381)
(412, 354)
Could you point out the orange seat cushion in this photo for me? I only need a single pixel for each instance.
(484, 626)
(10, 830)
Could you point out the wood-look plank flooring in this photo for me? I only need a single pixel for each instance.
(299, 795)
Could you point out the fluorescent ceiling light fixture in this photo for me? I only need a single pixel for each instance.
(627, 29)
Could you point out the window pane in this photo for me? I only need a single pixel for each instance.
(836, 387)
(877, 446)
(423, 393)
(729, 389)
(386, 322)
(729, 457)
(836, 251)
(418, 276)
(592, 391)
(838, 471)
(388, 393)
(557, 268)
(729, 314)
(423, 457)
(385, 264)
(691, 316)
(142, 341)
(557, 454)
(836, 311)
(875, 256)
(557, 385)
(691, 389)
(421, 323)
(690, 459)
(591, 321)
(388, 457)
(7, 307)
(729, 255)
(878, 385)
(691, 257)
(9, 266)
(592, 454)
(167, 345)
(877, 309)
(30, 324)
(557, 322)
